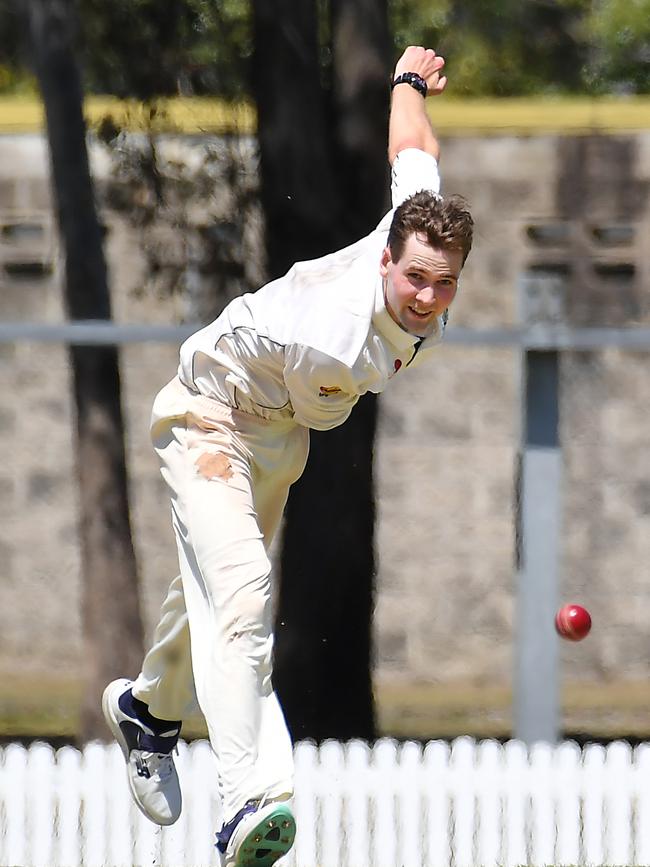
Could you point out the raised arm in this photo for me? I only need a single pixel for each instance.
(409, 125)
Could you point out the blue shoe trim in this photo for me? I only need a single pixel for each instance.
(133, 707)
(135, 735)
(223, 836)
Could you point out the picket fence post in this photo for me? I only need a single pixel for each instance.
(13, 846)
(641, 828)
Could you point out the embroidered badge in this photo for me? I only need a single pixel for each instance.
(328, 390)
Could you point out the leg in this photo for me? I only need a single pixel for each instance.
(226, 583)
(165, 683)
(145, 716)
(280, 458)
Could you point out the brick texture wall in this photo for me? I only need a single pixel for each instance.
(448, 435)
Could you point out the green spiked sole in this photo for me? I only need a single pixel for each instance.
(269, 840)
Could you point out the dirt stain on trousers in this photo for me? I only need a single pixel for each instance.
(214, 466)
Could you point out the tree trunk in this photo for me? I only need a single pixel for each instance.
(112, 627)
(300, 196)
(324, 628)
(323, 161)
(361, 75)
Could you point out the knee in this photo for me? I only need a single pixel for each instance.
(250, 612)
(247, 622)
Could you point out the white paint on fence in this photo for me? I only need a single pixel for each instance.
(464, 804)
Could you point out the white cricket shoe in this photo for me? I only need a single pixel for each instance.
(151, 773)
(257, 836)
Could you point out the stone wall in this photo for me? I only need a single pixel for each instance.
(448, 435)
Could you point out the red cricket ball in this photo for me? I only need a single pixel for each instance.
(573, 622)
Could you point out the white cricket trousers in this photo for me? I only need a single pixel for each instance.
(228, 473)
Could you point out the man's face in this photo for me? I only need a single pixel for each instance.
(421, 285)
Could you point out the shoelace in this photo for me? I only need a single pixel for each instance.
(159, 764)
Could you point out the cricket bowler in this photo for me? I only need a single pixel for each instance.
(231, 431)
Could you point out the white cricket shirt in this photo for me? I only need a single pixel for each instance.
(308, 345)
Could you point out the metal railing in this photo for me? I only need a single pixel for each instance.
(538, 494)
(536, 337)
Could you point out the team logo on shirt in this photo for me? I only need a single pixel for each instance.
(397, 365)
(328, 390)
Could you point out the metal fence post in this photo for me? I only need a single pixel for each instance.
(536, 682)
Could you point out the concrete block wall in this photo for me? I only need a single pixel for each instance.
(448, 435)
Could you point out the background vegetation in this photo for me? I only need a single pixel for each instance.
(495, 47)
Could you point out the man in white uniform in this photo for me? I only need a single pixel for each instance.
(232, 432)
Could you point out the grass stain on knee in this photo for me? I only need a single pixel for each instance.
(214, 466)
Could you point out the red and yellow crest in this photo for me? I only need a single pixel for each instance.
(328, 390)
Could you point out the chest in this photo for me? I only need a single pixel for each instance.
(379, 362)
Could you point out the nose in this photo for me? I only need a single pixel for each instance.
(426, 295)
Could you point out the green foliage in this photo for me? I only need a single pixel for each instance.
(16, 81)
(145, 48)
(619, 31)
(499, 47)
(14, 78)
(222, 48)
(134, 47)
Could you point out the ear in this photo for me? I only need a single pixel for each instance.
(385, 262)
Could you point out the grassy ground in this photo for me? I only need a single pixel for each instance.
(450, 116)
(590, 711)
(47, 707)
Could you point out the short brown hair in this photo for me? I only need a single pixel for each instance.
(447, 223)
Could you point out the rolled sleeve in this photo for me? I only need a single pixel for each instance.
(413, 170)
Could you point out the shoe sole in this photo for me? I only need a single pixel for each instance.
(111, 721)
(114, 726)
(269, 840)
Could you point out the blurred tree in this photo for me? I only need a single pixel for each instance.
(134, 48)
(500, 47)
(112, 628)
(619, 33)
(13, 75)
(146, 49)
(195, 213)
(322, 135)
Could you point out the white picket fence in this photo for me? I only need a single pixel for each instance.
(391, 805)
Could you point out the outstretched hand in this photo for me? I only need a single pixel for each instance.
(427, 64)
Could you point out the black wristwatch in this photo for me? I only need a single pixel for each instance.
(416, 81)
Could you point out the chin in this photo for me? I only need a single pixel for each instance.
(420, 329)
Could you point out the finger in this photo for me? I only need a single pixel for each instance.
(440, 86)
